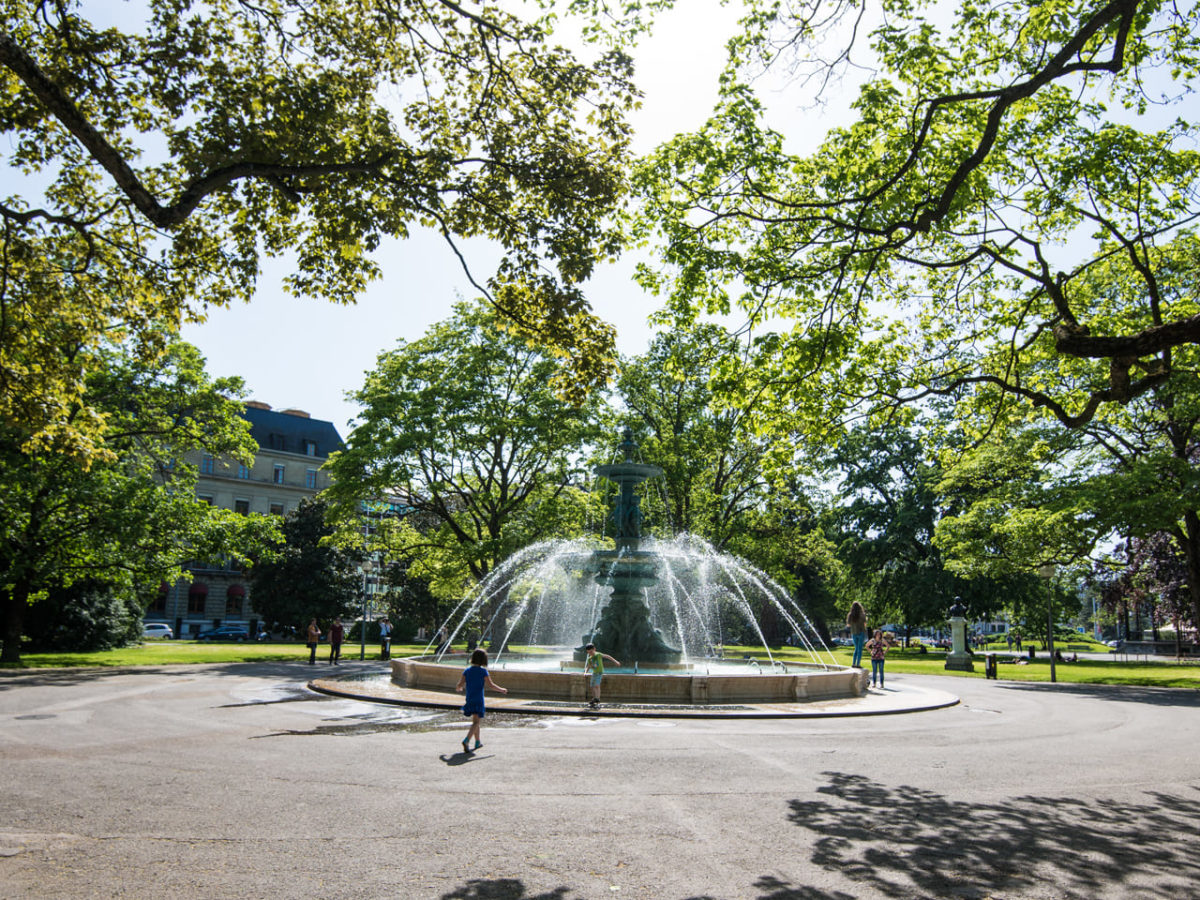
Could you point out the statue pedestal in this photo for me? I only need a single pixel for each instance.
(958, 659)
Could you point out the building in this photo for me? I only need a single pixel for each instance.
(292, 450)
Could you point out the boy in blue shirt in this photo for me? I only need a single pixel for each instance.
(474, 679)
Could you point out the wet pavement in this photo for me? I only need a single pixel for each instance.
(239, 781)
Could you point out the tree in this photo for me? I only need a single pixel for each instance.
(712, 461)
(307, 574)
(128, 517)
(1147, 573)
(410, 601)
(788, 536)
(161, 159)
(463, 426)
(87, 616)
(886, 520)
(1011, 211)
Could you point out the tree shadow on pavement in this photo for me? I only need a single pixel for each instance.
(286, 670)
(1151, 696)
(906, 841)
(501, 889)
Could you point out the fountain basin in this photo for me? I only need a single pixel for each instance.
(694, 688)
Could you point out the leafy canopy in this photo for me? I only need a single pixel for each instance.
(1012, 208)
(464, 428)
(162, 154)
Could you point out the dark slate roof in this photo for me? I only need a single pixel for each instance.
(281, 431)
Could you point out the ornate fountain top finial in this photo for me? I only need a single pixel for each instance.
(628, 445)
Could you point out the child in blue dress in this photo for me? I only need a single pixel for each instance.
(474, 679)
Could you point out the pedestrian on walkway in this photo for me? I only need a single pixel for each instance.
(857, 620)
(878, 647)
(385, 639)
(336, 632)
(314, 636)
(595, 664)
(474, 679)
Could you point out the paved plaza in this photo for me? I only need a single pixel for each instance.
(239, 782)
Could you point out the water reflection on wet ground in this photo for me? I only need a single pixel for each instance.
(342, 717)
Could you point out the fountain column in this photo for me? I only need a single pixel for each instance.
(624, 630)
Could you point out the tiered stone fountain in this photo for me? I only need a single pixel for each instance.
(653, 670)
(625, 631)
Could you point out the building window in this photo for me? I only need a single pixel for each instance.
(197, 595)
(206, 465)
(159, 603)
(310, 448)
(243, 471)
(278, 474)
(205, 498)
(277, 509)
(235, 594)
(310, 478)
(241, 506)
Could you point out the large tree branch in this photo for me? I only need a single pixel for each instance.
(1147, 342)
(62, 108)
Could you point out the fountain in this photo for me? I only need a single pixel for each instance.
(625, 630)
(670, 608)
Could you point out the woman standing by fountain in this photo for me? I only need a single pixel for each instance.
(857, 620)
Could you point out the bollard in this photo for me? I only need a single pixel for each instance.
(989, 666)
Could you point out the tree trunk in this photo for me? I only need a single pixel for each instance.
(1191, 551)
(15, 602)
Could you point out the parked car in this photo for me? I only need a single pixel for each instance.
(157, 630)
(224, 633)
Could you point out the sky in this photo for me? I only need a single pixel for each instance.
(307, 353)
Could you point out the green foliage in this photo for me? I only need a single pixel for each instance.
(1010, 213)
(164, 152)
(890, 507)
(127, 516)
(410, 601)
(711, 458)
(306, 575)
(465, 429)
(87, 616)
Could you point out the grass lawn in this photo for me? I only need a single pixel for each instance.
(171, 653)
(1100, 671)
(1103, 671)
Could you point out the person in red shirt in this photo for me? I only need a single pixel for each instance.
(336, 633)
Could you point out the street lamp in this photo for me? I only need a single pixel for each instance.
(362, 625)
(1047, 572)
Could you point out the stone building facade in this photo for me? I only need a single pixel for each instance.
(293, 448)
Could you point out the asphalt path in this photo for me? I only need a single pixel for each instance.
(238, 782)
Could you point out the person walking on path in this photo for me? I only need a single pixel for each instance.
(474, 679)
(595, 664)
(857, 620)
(385, 639)
(314, 636)
(878, 647)
(336, 633)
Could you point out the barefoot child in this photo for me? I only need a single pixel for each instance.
(474, 678)
(595, 663)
